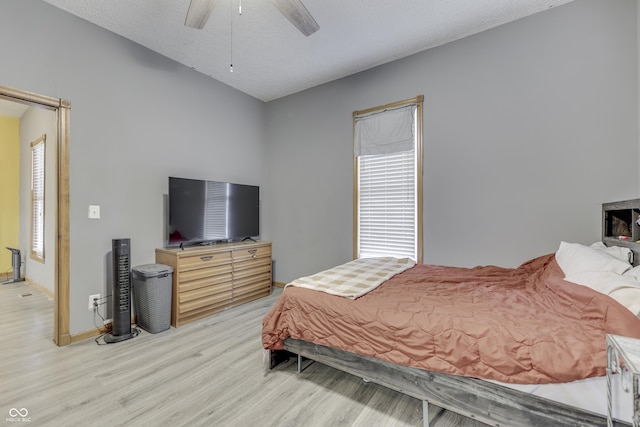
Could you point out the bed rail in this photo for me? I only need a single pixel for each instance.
(484, 401)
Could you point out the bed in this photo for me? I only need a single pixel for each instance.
(502, 346)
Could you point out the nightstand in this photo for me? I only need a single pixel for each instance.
(625, 350)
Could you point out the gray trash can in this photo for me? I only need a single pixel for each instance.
(152, 296)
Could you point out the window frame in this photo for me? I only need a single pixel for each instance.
(36, 241)
(418, 102)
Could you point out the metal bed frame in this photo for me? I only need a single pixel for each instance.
(480, 400)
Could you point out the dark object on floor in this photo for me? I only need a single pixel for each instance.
(16, 262)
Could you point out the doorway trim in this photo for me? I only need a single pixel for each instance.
(61, 335)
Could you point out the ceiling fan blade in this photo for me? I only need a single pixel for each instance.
(198, 13)
(298, 15)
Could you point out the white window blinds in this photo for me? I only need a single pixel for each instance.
(37, 197)
(387, 205)
(386, 146)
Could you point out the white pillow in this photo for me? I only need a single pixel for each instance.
(622, 288)
(574, 257)
(633, 272)
(623, 254)
(628, 297)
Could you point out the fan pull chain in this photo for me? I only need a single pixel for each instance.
(231, 35)
(231, 41)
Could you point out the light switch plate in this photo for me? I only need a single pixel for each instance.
(94, 212)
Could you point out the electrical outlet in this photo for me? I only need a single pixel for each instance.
(93, 297)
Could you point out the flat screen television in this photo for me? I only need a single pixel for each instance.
(207, 212)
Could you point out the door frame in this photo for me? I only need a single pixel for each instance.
(61, 334)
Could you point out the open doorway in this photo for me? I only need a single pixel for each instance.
(10, 113)
(28, 175)
(61, 108)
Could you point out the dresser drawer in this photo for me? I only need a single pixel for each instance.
(260, 280)
(204, 292)
(208, 302)
(200, 273)
(250, 253)
(203, 260)
(205, 282)
(259, 258)
(252, 291)
(249, 269)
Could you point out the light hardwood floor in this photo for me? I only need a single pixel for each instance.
(207, 373)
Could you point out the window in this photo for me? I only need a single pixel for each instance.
(37, 198)
(388, 180)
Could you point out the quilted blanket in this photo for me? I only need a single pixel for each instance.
(524, 325)
(355, 278)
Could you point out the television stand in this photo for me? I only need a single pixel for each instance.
(209, 279)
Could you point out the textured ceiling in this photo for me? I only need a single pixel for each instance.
(271, 58)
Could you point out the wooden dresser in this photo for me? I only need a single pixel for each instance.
(208, 279)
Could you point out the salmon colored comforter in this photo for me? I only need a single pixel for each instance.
(524, 325)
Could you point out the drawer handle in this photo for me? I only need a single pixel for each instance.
(253, 253)
(206, 258)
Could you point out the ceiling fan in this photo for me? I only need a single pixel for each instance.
(200, 10)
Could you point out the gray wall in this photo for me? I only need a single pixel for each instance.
(33, 124)
(528, 128)
(136, 118)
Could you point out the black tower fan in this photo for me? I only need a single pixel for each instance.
(120, 295)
